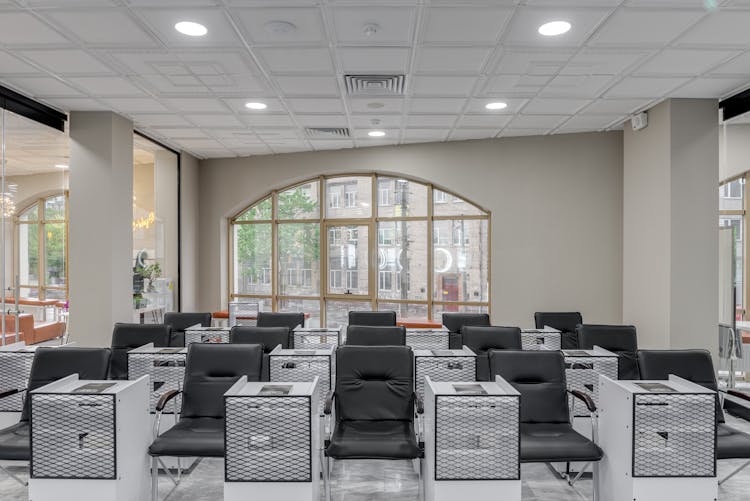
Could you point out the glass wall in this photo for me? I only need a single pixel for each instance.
(732, 214)
(375, 242)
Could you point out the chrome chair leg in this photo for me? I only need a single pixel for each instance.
(420, 493)
(327, 465)
(154, 479)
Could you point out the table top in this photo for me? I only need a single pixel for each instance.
(488, 388)
(225, 314)
(464, 352)
(419, 323)
(243, 388)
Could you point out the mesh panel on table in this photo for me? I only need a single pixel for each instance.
(582, 373)
(674, 435)
(73, 436)
(427, 340)
(315, 340)
(535, 340)
(15, 368)
(443, 369)
(206, 336)
(268, 439)
(166, 372)
(476, 438)
(301, 369)
(239, 310)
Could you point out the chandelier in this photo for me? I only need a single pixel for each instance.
(7, 204)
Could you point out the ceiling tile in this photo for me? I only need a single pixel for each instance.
(467, 60)
(713, 88)
(161, 120)
(464, 134)
(720, 28)
(544, 106)
(644, 27)
(238, 105)
(268, 120)
(365, 140)
(422, 135)
(526, 22)
(591, 122)
(199, 105)
(645, 87)
(376, 121)
(478, 106)
(308, 25)
(220, 31)
(436, 105)
(526, 85)
(107, 86)
(487, 121)
(373, 61)
(532, 62)
(322, 120)
(391, 24)
(603, 62)
(183, 133)
(20, 28)
(67, 104)
(214, 120)
(307, 86)
(41, 86)
(684, 62)
(521, 132)
(302, 105)
(737, 66)
(12, 65)
(446, 121)
(377, 105)
(331, 144)
(584, 86)
(297, 60)
(615, 106)
(136, 105)
(537, 121)
(95, 26)
(467, 24)
(443, 85)
(66, 62)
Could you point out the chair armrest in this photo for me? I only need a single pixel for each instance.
(8, 393)
(165, 398)
(585, 398)
(733, 393)
(419, 403)
(329, 403)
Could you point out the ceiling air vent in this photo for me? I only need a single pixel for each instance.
(327, 132)
(375, 85)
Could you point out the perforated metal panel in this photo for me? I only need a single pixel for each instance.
(243, 313)
(455, 368)
(674, 435)
(73, 436)
(15, 367)
(166, 372)
(427, 339)
(268, 439)
(532, 339)
(476, 438)
(316, 339)
(304, 368)
(582, 373)
(206, 335)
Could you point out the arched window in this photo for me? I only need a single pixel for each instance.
(41, 248)
(338, 243)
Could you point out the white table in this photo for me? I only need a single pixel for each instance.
(656, 445)
(541, 339)
(444, 365)
(471, 442)
(428, 339)
(313, 338)
(89, 444)
(301, 365)
(272, 441)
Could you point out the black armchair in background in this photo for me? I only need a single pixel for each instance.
(483, 339)
(275, 319)
(619, 339)
(125, 337)
(455, 321)
(267, 337)
(373, 318)
(366, 335)
(564, 321)
(179, 321)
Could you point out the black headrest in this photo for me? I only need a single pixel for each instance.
(180, 321)
(481, 339)
(374, 318)
(564, 321)
(274, 319)
(366, 335)
(211, 369)
(454, 321)
(374, 383)
(135, 335)
(51, 364)
(616, 338)
(268, 337)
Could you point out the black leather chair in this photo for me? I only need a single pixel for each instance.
(210, 370)
(619, 339)
(49, 365)
(455, 321)
(483, 339)
(697, 366)
(375, 407)
(268, 337)
(275, 319)
(564, 321)
(179, 321)
(547, 434)
(366, 335)
(373, 318)
(125, 337)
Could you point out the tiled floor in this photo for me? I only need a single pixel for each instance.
(395, 481)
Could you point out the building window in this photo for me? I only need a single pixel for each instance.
(385, 236)
(334, 200)
(385, 280)
(350, 199)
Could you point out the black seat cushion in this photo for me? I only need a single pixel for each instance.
(125, 337)
(544, 442)
(564, 321)
(179, 321)
(374, 440)
(373, 318)
(14, 442)
(481, 340)
(194, 437)
(731, 443)
(455, 321)
(276, 319)
(619, 339)
(365, 335)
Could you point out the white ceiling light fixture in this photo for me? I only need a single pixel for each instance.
(498, 105)
(554, 28)
(370, 29)
(61, 166)
(256, 106)
(191, 29)
(376, 133)
(280, 27)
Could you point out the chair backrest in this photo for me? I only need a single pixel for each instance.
(693, 365)
(373, 318)
(374, 383)
(268, 337)
(125, 337)
(51, 364)
(482, 339)
(179, 321)
(454, 321)
(367, 335)
(540, 378)
(564, 321)
(210, 370)
(275, 319)
(619, 339)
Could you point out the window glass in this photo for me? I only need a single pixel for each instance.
(739, 241)
(54, 248)
(349, 197)
(299, 259)
(258, 212)
(405, 310)
(445, 204)
(300, 202)
(54, 208)
(337, 312)
(401, 198)
(348, 260)
(402, 260)
(252, 259)
(306, 306)
(28, 253)
(460, 271)
(30, 214)
(438, 310)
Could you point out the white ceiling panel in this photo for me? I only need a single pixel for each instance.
(107, 86)
(136, 105)
(522, 132)
(331, 145)
(603, 62)
(426, 134)
(308, 85)
(527, 21)
(377, 105)
(645, 27)
(465, 134)
(198, 105)
(528, 85)
(465, 60)
(20, 28)
(466, 24)
(102, 27)
(485, 121)
(443, 85)
(437, 105)
(514, 106)
(321, 120)
(376, 121)
(162, 21)
(445, 121)
(613, 106)
(645, 87)
(370, 60)
(297, 60)
(577, 86)
(12, 65)
(533, 62)
(537, 121)
(72, 61)
(737, 66)
(183, 133)
(544, 106)
(389, 25)
(237, 105)
(41, 86)
(590, 122)
(685, 62)
(161, 120)
(210, 120)
(711, 87)
(308, 25)
(268, 120)
(317, 105)
(720, 29)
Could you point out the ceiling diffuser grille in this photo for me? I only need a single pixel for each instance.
(375, 85)
(327, 132)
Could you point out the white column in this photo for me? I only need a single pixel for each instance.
(100, 228)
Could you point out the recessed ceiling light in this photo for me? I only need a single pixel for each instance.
(496, 106)
(191, 29)
(61, 166)
(376, 133)
(256, 106)
(554, 28)
(280, 27)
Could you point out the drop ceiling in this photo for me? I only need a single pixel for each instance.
(621, 56)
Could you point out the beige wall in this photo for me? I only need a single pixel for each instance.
(556, 204)
(734, 150)
(189, 191)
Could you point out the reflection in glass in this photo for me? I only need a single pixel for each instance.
(299, 259)
(252, 258)
(439, 309)
(28, 252)
(309, 307)
(405, 310)
(735, 222)
(445, 204)
(460, 260)
(401, 198)
(349, 197)
(54, 250)
(347, 259)
(337, 312)
(402, 260)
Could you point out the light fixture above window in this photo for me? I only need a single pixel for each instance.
(61, 166)
(191, 29)
(256, 106)
(376, 133)
(498, 105)
(554, 28)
